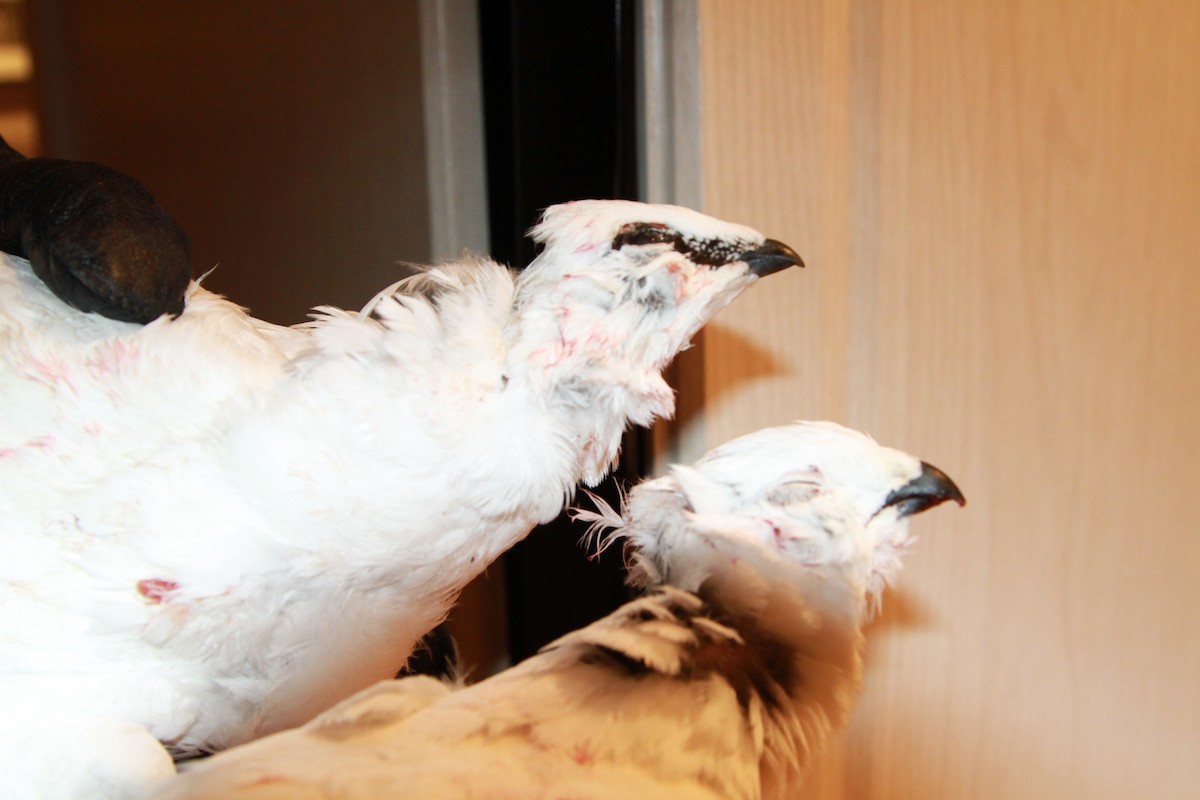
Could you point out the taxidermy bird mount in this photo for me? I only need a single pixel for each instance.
(761, 563)
(95, 236)
(218, 527)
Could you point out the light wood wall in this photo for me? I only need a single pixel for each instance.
(1000, 205)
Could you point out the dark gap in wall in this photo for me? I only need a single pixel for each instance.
(560, 110)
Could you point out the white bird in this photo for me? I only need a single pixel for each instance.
(216, 527)
(762, 560)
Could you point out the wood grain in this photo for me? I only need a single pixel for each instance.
(1000, 206)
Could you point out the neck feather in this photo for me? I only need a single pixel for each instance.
(803, 656)
(589, 365)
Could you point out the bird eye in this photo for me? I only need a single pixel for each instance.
(640, 233)
(793, 493)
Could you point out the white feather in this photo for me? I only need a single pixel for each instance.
(722, 687)
(216, 527)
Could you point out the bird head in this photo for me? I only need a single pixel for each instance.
(635, 278)
(787, 501)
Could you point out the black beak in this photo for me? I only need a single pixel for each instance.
(932, 487)
(771, 256)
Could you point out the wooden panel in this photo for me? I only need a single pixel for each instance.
(287, 137)
(999, 205)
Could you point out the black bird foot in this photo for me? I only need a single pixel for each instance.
(95, 236)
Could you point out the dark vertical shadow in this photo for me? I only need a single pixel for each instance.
(560, 104)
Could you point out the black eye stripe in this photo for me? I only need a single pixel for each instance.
(639, 233)
(709, 252)
(712, 252)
